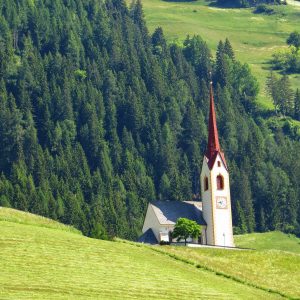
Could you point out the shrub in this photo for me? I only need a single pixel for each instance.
(164, 243)
(287, 60)
(248, 3)
(264, 9)
(80, 74)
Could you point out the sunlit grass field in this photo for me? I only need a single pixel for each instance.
(269, 241)
(17, 216)
(274, 265)
(52, 262)
(254, 36)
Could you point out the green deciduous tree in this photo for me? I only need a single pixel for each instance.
(185, 228)
(294, 40)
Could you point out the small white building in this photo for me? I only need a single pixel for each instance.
(161, 218)
(213, 213)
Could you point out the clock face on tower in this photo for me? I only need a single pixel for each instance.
(221, 202)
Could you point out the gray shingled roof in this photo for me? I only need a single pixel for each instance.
(148, 238)
(168, 212)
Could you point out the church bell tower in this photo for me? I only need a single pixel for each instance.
(215, 189)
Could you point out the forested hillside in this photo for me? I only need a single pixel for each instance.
(97, 118)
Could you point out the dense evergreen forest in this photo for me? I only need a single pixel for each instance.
(98, 117)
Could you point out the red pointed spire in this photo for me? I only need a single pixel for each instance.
(213, 145)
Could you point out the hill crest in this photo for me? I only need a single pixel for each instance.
(26, 218)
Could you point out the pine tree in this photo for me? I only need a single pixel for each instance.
(272, 87)
(286, 96)
(246, 202)
(297, 105)
(138, 18)
(241, 220)
(222, 71)
(191, 128)
(197, 52)
(164, 187)
(282, 94)
(261, 221)
(159, 42)
(228, 50)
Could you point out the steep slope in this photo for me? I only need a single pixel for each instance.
(50, 263)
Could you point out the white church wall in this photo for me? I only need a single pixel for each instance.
(161, 231)
(151, 221)
(207, 208)
(222, 216)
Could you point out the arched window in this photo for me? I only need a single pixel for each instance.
(205, 184)
(219, 164)
(220, 182)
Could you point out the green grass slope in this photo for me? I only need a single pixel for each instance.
(274, 265)
(39, 262)
(269, 241)
(17, 216)
(253, 36)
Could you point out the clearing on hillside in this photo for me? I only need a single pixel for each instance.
(254, 37)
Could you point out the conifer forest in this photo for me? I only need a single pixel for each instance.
(98, 117)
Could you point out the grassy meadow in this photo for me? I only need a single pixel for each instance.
(21, 217)
(274, 265)
(253, 36)
(269, 241)
(52, 262)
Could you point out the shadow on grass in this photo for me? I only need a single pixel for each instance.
(218, 5)
(180, 1)
(267, 66)
(265, 113)
(210, 3)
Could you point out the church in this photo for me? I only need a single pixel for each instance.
(213, 213)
